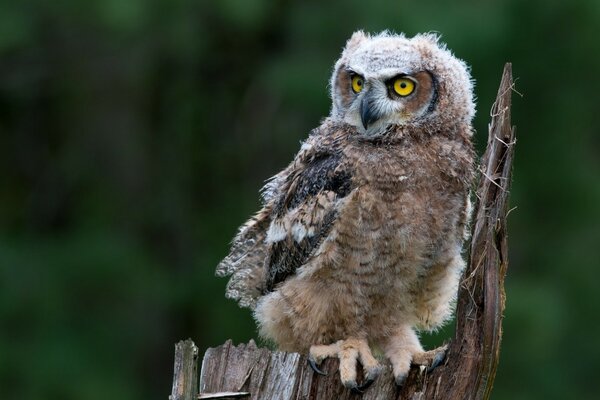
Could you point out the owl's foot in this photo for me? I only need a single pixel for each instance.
(348, 351)
(402, 359)
(403, 348)
(432, 358)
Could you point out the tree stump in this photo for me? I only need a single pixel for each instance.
(470, 366)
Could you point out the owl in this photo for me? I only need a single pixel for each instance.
(357, 247)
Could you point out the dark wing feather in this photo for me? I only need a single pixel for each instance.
(323, 174)
(268, 247)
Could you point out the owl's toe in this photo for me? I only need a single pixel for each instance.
(349, 352)
(400, 378)
(431, 359)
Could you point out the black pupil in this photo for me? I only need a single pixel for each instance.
(359, 82)
(403, 85)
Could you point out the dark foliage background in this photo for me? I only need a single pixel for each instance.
(134, 137)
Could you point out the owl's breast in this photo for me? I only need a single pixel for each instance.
(425, 170)
(409, 203)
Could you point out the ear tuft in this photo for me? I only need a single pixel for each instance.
(355, 40)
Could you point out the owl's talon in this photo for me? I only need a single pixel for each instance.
(356, 390)
(430, 359)
(439, 357)
(350, 352)
(365, 385)
(314, 367)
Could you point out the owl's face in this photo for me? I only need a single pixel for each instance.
(391, 80)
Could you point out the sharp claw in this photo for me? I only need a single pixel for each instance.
(314, 366)
(437, 360)
(365, 385)
(356, 390)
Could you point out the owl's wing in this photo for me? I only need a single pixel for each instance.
(299, 210)
(245, 262)
(304, 214)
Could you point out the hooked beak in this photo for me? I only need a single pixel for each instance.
(368, 113)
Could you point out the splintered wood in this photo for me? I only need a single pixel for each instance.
(185, 376)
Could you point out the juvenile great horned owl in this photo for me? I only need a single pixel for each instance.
(359, 242)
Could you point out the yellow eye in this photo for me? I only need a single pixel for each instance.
(403, 86)
(357, 83)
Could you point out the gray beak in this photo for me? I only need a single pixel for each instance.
(368, 113)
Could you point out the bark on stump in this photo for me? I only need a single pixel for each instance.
(470, 366)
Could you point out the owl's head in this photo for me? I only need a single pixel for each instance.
(389, 79)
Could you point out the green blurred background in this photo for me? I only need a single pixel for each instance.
(134, 136)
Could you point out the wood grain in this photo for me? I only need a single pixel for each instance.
(185, 376)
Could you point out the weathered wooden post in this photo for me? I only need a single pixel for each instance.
(470, 366)
(185, 376)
